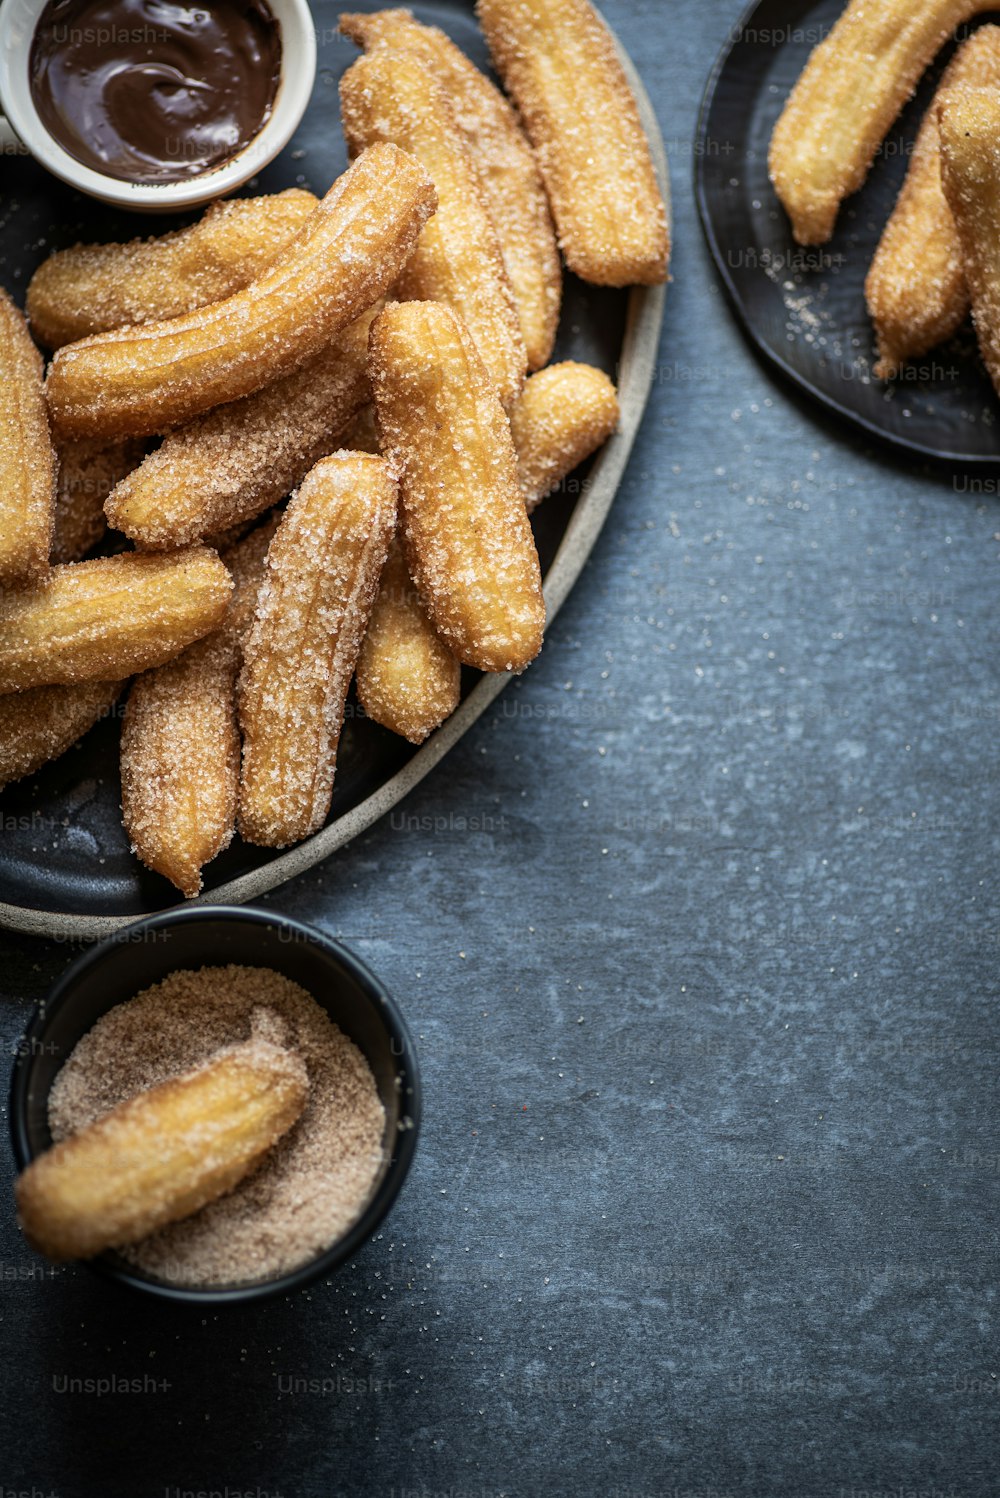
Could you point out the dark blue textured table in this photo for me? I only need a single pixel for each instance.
(706, 1197)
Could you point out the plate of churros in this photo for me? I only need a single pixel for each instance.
(271, 533)
(847, 180)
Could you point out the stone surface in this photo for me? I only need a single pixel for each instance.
(706, 1006)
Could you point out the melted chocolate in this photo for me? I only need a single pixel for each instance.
(153, 91)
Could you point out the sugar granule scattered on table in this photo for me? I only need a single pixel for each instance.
(311, 1187)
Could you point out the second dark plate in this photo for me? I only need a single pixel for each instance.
(804, 308)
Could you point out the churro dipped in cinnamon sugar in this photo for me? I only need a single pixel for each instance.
(93, 287)
(565, 413)
(143, 379)
(508, 173)
(560, 66)
(27, 464)
(39, 725)
(848, 95)
(970, 174)
(915, 290)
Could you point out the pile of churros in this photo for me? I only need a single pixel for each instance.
(939, 255)
(382, 357)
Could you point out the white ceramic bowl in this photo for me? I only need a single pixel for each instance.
(18, 19)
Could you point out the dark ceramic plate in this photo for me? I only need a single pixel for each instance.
(804, 308)
(66, 868)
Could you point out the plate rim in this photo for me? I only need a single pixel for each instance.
(895, 441)
(636, 369)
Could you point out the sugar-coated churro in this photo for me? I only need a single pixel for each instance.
(850, 92)
(163, 1154)
(392, 96)
(406, 679)
(232, 463)
(509, 177)
(41, 724)
(565, 413)
(87, 473)
(915, 290)
(467, 538)
(180, 745)
(27, 465)
(105, 619)
(322, 573)
(562, 69)
(969, 124)
(147, 378)
(93, 287)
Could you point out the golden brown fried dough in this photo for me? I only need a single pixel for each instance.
(565, 413)
(27, 465)
(468, 542)
(87, 473)
(508, 173)
(163, 1154)
(93, 287)
(105, 619)
(850, 92)
(133, 381)
(916, 290)
(391, 96)
(560, 65)
(970, 174)
(231, 464)
(407, 679)
(180, 746)
(323, 568)
(42, 724)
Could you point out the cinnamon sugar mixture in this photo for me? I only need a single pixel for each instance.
(309, 1189)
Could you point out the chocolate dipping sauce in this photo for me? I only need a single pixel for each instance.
(153, 91)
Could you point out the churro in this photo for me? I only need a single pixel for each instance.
(40, 725)
(565, 413)
(108, 618)
(850, 92)
(391, 96)
(231, 464)
(560, 65)
(180, 745)
(468, 542)
(509, 177)
(970, 175)
(915, 290)
(27, 465)
(86, 474)
(163, 1154)
(134, 381)
(406, 679)
(94, 287)
(322, 573)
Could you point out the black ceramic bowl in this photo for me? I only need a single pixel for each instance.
(117, 969)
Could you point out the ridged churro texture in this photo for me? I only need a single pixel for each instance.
(561, 67)
(87, 473)
(915, 290)
(163, 1154)
(94, 287)
(850, 92)
(105, 619)
(231, 464)
(393, 96)
(27, 464)
(322, 573)
(509, 177)
(40, 725)
(466, 534)
(180, 745)
(144, 379)
(565, 413)
(406, 679)
(970, 174)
